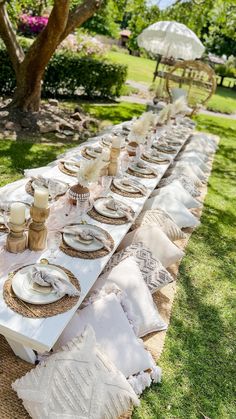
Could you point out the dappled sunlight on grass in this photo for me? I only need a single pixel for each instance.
(198, 358)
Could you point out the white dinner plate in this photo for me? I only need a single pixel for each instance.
(156, 158)
(74, 243)
(118, 183)
(26, 290)
(144, 171)
(71, 167)
(100, 207)
(92, 152)
(60, 185)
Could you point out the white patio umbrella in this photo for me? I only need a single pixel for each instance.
(171, 39)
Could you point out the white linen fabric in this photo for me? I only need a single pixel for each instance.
(113, 332)
(127, 276)
(179, 213)
(60, 285)
(78, 382)
(153, 272)
(154, 239)
(194, 153)
(161, 219)
(187, 183)
(178, 192)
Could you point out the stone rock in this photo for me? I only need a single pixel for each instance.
(53, 102)
(9, 135)
(87, 123)
(68, 132)
(78, 109)
(77, 116)
(12, 126)
(60, 135)
(3, 114)
(26, 123)
(49, 127)
(63, 123)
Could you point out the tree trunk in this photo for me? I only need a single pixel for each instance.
(28, 91)
(30, 69)
(221, 80)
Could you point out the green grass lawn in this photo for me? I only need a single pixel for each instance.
(199, 356)
(199, 353)
(141, 70)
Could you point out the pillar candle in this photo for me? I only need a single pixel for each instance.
(106, 155)
(41, 198)
(116, 142)
(17, 213)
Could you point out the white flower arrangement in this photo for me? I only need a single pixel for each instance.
(138, 132)
(90, 170)
(180, 106)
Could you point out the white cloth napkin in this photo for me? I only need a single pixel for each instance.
(117, 206)
(88, 234)
(126, 182)
(60, 285)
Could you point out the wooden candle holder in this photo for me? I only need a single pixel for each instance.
(132, 148)
(113, 165)
(16, 238)
(37, 238)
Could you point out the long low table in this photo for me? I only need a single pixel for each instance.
(27, 335)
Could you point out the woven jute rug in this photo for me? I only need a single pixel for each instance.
(12, 367)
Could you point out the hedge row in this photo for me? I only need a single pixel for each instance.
(67, 72)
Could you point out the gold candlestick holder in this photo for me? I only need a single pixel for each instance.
(16, 238)
(113, 165)
(37, 238)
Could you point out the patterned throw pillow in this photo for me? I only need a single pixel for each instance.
(187, 183)
(163, 220)
(153, 272)
(78, 382)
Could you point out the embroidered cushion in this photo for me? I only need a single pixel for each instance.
(113, 332)
(195, 160)
(196, 169)
(78, 382)
(161, 219)
(155, 240)
(186, 171)
(177, 191)
(153, 272)
(127, 276)
(179, 213)
(187, 183)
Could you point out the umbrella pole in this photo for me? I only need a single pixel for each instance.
(156, 69)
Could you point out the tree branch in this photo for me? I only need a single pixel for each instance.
(82, 13)
(47, 41)
(9, 38)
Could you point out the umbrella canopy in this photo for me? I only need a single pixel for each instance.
(171, 39)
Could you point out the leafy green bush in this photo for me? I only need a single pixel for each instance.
(67, 73)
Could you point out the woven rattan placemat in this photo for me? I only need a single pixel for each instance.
(150, 160)
(142, 175)
(118, 191)
(63, 169)
(108, 220)
(88, 255)
(38, 311)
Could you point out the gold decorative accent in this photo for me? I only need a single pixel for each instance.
(39, 310)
